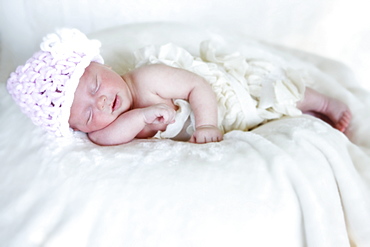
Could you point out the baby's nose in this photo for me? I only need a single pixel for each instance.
(101, 101)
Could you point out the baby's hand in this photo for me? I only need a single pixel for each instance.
(159, 113)
(206, 133)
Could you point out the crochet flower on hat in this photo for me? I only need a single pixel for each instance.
(44, 86)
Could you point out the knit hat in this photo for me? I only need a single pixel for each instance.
(44, 87)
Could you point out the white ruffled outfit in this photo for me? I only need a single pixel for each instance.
(249, 92)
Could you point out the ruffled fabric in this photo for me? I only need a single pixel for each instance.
(184, 125)
(249, 91)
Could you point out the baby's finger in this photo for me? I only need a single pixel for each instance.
(169, 116)
(199, 139)
(192, 139)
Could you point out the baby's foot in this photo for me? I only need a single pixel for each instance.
(338, 113)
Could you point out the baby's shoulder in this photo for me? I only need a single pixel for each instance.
(152, 69)
(149, 75)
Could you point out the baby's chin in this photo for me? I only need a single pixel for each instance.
(99, 127)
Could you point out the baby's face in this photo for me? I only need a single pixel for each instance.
(101, 96)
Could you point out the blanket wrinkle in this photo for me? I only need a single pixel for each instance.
(310, 194)
(347, 181)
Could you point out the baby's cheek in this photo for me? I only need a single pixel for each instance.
(102, 121)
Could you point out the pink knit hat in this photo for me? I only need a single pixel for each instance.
(44, 87)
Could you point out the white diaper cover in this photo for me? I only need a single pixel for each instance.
(249, 91)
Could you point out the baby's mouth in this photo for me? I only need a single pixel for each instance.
(116, 103)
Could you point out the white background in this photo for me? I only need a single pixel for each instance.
(338, 29)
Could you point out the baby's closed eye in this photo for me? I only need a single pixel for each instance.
(89, 116)
(95, 86)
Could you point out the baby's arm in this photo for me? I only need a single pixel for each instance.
(129, 124)
(173, 83)
(204, 105)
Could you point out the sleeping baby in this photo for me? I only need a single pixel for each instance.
(66, 87)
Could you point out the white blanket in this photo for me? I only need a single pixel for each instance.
(291, 182)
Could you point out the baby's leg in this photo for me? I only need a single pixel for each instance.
(334, 111)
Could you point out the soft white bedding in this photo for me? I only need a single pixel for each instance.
(292, 182)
